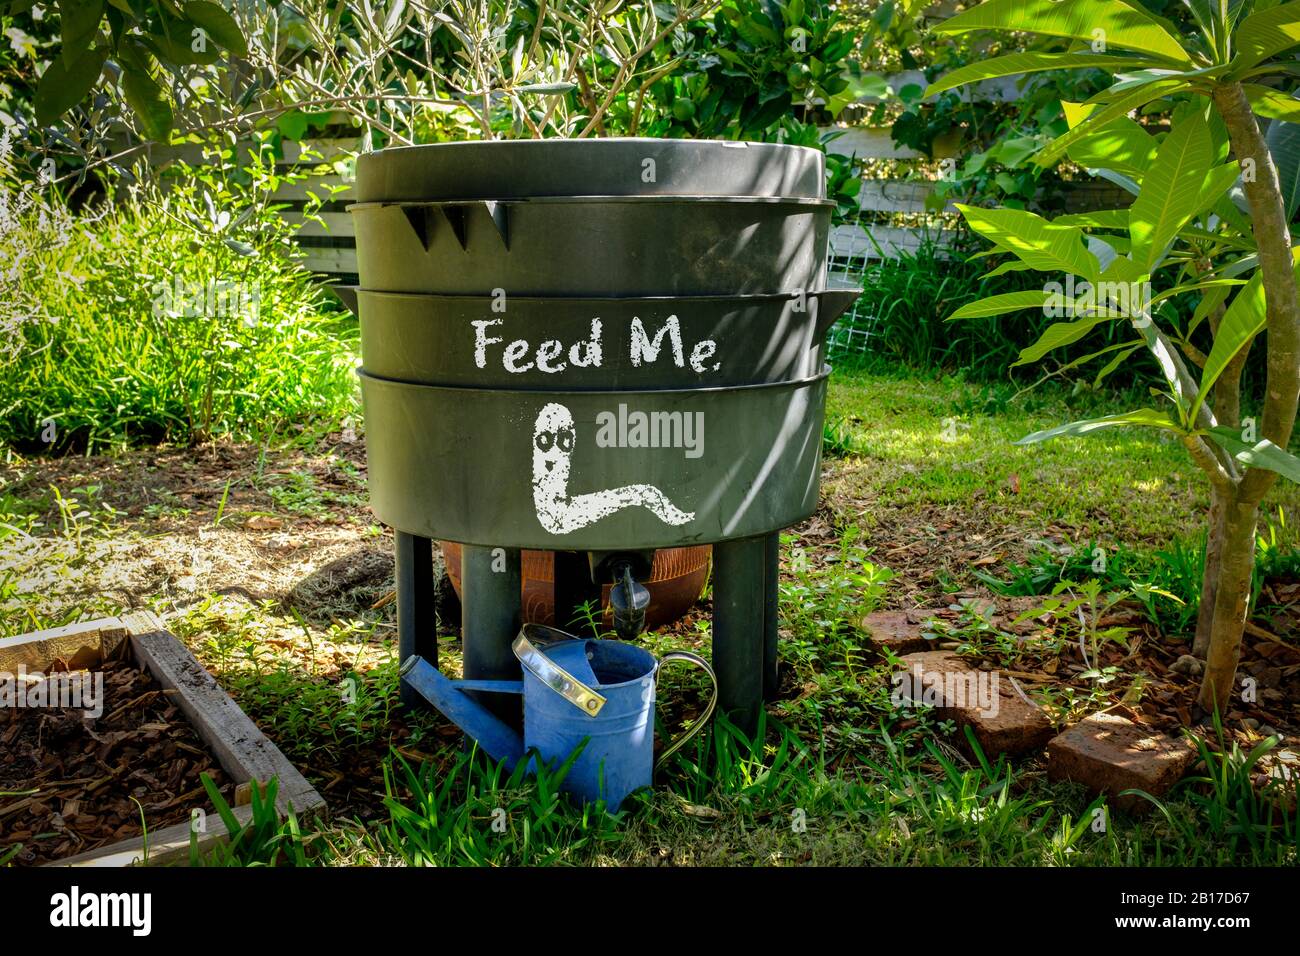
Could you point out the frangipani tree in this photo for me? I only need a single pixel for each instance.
(1183, 222)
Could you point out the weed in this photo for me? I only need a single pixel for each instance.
(265, 840)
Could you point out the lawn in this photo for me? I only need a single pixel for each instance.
(266, 562)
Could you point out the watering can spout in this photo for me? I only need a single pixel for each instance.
(498, 740)
(835, 301)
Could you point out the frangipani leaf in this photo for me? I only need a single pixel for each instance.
(1260, 454)
(1217, 183)
(1143, 417)
(1283, 140)
(1060, 334)
(1121, 145)
(1273, 103)
(1100, 219)
(1117, 108)
(1015, 64)
(1170, 190)
(1002, 304)
(1263, 34)
(1243, 321)
(1035, 241)
(1110, 21)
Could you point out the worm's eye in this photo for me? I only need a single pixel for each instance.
(564, 438)
(543, 441)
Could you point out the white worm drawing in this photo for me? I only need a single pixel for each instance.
(559, 512)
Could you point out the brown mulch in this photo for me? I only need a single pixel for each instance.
(78, 779)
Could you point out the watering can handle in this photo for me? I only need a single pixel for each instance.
(703, 665)
(552, 674)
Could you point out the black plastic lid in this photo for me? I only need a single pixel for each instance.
(523, 169)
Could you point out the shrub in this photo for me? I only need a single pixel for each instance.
(177, 313)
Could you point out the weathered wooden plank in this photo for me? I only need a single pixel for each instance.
(77, 646)
(241, 748)
(243, 751)
(329, 261)
(169, 845)
(867, 143)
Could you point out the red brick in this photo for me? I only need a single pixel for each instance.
(1017, 727)
(900, 631)
(1109, 754)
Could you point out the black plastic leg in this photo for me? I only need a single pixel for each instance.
(771, 578)
(490, 615)
(417, 619)
(739, 634)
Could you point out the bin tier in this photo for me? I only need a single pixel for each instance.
(593, 471)
(639, 343)
(606, 167)
(607, 246)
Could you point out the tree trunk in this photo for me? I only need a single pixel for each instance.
(1281, 391)
(1213, 568)
(1227, 410)
(1282, 303)
(1231, 605)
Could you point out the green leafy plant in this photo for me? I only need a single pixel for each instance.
(838, 439)
(179, 313)
(988, 146)
(1230, 802)
(901, 315)
(823, 601)
(145, 47)
(745, 766)
(445, 815)
(745, 69)
(266, 839)
(1182, 219)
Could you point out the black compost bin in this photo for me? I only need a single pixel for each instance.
(601, 348)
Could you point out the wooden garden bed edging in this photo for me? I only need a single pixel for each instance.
(244, 752)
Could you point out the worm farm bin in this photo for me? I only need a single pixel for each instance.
(599, 348)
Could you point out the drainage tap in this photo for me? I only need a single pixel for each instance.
(628, 599)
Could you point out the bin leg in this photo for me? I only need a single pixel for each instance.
(417, 619)
(771, 578)
(489, 619)
(738, 628)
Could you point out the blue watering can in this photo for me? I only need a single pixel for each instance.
(573, 689)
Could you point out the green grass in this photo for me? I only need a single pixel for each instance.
(933, 440)
(739, 802)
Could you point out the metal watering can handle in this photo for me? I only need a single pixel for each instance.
(552, 674)
(703, 665)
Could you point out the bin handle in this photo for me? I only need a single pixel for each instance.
(689, 658)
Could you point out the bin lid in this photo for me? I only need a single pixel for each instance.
(524, 169)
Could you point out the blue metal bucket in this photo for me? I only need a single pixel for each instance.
(574, 690)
